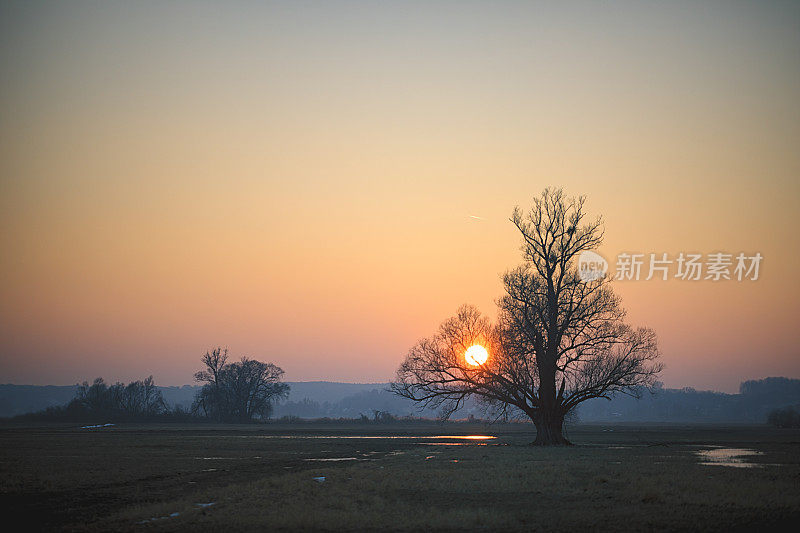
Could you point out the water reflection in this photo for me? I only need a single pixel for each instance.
(334, 459)
(728, 457)
(448, 437)
(452, 443)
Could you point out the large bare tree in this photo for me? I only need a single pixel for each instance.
(559, 340)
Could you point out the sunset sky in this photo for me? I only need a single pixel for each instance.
(320, 184)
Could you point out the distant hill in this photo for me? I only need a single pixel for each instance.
(317, 399)
(21, 399)
(328, 391)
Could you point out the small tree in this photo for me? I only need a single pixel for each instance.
(95, 397)
(143, 398)
(559, 340)
(784, 418)
(238, 391)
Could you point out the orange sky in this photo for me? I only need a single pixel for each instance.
(296, 180)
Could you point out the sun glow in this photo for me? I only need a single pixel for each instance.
(476, 355)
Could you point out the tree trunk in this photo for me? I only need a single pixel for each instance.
(548, 419)
(549, 432)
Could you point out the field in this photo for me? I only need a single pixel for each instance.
(412, 477)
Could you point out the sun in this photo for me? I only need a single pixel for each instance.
(476, 355)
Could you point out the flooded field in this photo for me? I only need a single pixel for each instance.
(458, 476)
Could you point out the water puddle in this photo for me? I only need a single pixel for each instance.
(226, 458)
(334, 459)
(157, 518)
(452, 443)
(728, 457)
(392, 437)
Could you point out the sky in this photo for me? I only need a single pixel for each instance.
(320, 184)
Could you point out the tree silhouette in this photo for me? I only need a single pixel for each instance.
(238, 391)
(137, 399)
(558, 340)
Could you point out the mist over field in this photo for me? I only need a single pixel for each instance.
(313, 400)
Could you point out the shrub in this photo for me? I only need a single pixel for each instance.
(784, 418)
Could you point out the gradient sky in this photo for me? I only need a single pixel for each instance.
(297, 180)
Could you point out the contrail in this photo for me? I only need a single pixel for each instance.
(476, 217)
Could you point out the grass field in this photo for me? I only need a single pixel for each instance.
(151, 477)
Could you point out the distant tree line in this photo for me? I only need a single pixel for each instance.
(759, 401)
(353, 406)
(138, 401)
(752, 405)
(242, 391)
(377, 417)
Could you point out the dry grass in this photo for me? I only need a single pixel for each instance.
(639, 478)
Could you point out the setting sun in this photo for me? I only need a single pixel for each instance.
(476, 355)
